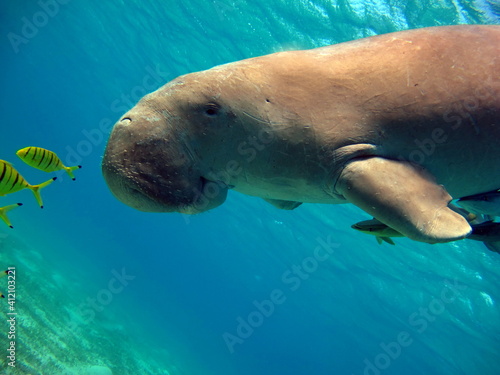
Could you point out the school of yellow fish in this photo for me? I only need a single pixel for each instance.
(11, 181)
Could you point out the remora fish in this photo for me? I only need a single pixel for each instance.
(488, 233)
(381, 231)
(486, 203)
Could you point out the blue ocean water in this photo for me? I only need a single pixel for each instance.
(102, 285)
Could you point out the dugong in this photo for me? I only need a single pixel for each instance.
(397, 124)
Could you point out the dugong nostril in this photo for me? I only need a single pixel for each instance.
(125, 121)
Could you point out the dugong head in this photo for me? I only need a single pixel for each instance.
(153, 158)
(179, 149)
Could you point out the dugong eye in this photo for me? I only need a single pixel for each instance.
(212, 109)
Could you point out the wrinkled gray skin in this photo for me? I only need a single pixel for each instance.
(380, 122)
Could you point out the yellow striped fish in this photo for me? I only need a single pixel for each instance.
(44, 160)
(11, 181)
(4, 210)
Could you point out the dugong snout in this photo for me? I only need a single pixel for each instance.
(150, 169)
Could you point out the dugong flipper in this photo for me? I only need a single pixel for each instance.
(404, 197)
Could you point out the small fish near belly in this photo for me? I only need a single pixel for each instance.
(487, 232)
(485, 203)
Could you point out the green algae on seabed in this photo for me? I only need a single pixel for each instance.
(48, 341)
